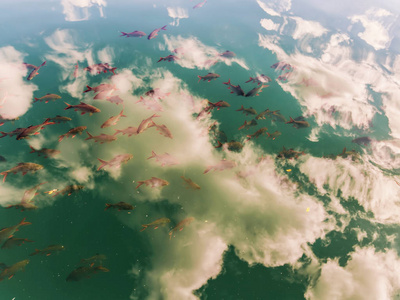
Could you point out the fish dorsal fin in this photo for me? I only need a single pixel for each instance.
(21, 163)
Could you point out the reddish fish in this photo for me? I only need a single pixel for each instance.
(135, 33)
(260, 79)
(153, 182)
(26, 202)
(235, 89)
(12, 242)
(129, 131)
(83, 107)
(23, 168)
(113, 120)
(163, 130)
(48, 97)
(12, 133)
(155, 224)
(146, 123)
(100, 88)
(208, 77)
(154, 33)
(102, 138)
(199, 4)
(180, 226)
(165, 159)
(169, 58)
(222, 165)
(8, 232)
(116, 162)
(72, 132)
(100, 68)
(33, 130)
(35, 70)
(9, 272)
(47, 152)
(255, 91)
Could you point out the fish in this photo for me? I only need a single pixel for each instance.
(12, 133)
(23, 168)
(69, 189)
(104, 87)
(33, 130)
(102, 138)
(365, 140)
(9, 272)
(12, 242)
(274, 135)
(115, 99)
(153, 182)
(260, 79)
(8, 232)
(100, 68)
(75, 74)
(227, 54)
(248, 124)
(285, 76)
(59, 119)
(35, 70)
(222, 165)
(163, 130)
(262, 114)
(281, 66)
(2, 158)
(26, 201)
(190, 184)
(169, 58)
(135, 33)
(277, 116)
(154, 33)
(199, 4)
(217, 105)
(355, 156)
(116, 162)
(255, 91)
(4, 119)
(47, 152)
(180, 226)
(247, 111)
(113, 120)
(48, 97)
(208, 77)
(259, 132)
(289, 153)
(165, 159)
(299, 122)
(129, 131)
(85, 272)
(95, 259)
(83, 107)
(155, 224)
(48, 250)
(120, 205)
(235, 89)
(231, 146)
(156, 94)
(72, 132)
(151, 104)
(146, 123)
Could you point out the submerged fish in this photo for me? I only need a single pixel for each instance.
(115, 99)
(289, 153)
(47, 152)
(33, 130)
(120, 206)
(85, 272)
(281, 66)
(146, 123)
(261, 131)
(5, 119)
(12, 242)
(9, 272)
(102, 138)
(365, 140)
(100, 68)
(248, 124)
(59, 119)
(235, 89)
(129, 131)
(154, 33)
(104, 87)
(231, 146)
(153, 182)
(199, 4)
(116, 162)
(208, 77)
(256, 91)
(135, 33)
(72, 132)
(190, 184)
(12, 133)
(277, 116)
(26, 201)
(180, 226)
(274, 135)
(35, 70)
(48, 97)
(95, 259)
(163, 130)
(83, 107)
(222, 165)
(8, 232)
(247, 111)
(260, 79)
(227, 54)
(299, 122)
(48, 250)
(69, 189)
(151, 104)
(165, 159)
(113, 120)
(23, 168)
(169, 58)
(155, 224)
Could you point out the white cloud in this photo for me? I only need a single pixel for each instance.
(16, 93)
(269, 24)
(177, 13)
(306, 27)
(78, 10)
(367, 275)
(275, 7)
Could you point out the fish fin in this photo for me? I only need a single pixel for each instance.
(68, 106)
(227, 83)
(153, 154)
(124, 33)
(36, 100)
(61, 137)
(90, 136)
(240, 109)
(89, 88)
(161, 58)
(144, 227)
(140, 183)
(82, 113)
(103, 164)
(219, 145)
(24, 223)
(199, 77)
(3, 134)
(291, 121)
(163, 28)
(43, 64)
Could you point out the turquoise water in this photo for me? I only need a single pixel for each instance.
(265, 229)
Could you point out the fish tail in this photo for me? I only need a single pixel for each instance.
(121, 114)
(219, 145)
(241, 127)
(34, 253)
(48, 122)
(344, 151)
(140, 183)
(153, 154)
(117, 131)
(61, 137)
(251, 78)
(68, 106)
(200, 77)
(24, 223)
(103, 164)
(89, 88)
(123, 33)
(144, 227)
(140, 100)
(164, 27)
(240, 109)
(33, 149)
(3, 134)
(209, 168)
(160, 59)
(43, 64)
(291, 121)
(5, 175)
(107, 206)
(113, 70)
(36, 100)
(90, 136)
(228, 82)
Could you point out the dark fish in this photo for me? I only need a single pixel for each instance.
(227, 54)
(85, 272)
(260, 79)
(155, 224)
(129, 131)
(72, 132)
(12, 242)
(83, 107)
(153, 182)
(59, 119)
(12, 133)
(289, 153)
(95, 259)
(355, 156)
(218, 104)
(35, 70)
(248, 124)
(247, 111)
(255, 91)
(47, 152)
(33, 130)
(208, 77)
(170, 57)
(135, 33)
(9, 272)
(231, 146)
(261, 131)
(2, 158)
(274, 135)
(235, 89)
(281, 66)
(154, 33)
(262, 114)
(100, 68)
(200, 4)
(365, 140)
(299, 122)
(69, 189)
(180, 226)
(48, 250)
(120, 206)
(23, 168)
(190, 184)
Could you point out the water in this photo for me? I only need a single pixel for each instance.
(305, 228)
